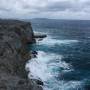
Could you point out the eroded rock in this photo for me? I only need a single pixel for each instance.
(14, 37)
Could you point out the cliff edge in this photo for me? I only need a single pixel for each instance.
(14, 37)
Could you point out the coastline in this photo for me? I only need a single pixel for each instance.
(14, 37)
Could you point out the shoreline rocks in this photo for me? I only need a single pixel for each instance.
(14, 37)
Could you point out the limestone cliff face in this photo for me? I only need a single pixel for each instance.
(14, 37)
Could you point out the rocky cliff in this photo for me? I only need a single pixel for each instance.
(14, 37)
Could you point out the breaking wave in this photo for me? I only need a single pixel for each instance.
(51, 42)
(48, 66)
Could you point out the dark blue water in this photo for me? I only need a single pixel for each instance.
(63, 61)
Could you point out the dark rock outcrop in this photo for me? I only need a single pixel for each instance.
(14, 37)
(40, 36)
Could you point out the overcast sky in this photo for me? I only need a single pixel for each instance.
(59, 9)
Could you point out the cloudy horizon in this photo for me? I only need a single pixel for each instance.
(53, 9)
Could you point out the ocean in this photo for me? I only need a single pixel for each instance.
(63, 60)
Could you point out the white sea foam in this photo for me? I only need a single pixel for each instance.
(62, 85)
(39, 67)
(50, 42)
(42, 67)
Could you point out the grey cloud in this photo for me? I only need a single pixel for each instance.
(4, 9)
(60, 6)
(66, 5)
(45, 8)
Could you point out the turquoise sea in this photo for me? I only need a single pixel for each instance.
(63, 60)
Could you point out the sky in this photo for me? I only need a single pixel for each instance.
(53, 9)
